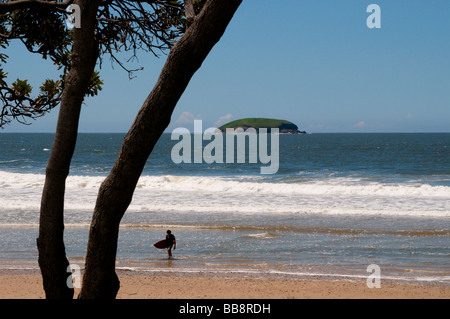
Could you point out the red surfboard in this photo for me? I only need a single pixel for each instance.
(161, 244)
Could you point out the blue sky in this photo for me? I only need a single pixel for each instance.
(315, 63)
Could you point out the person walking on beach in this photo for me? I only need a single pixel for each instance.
(171, 242)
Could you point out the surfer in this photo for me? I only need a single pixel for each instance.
(171, 242)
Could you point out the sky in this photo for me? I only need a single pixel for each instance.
(314, 63)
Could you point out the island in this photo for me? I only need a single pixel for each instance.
(285, 127)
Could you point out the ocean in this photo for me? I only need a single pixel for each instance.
(338, 204)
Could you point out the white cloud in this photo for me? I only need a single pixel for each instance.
(409, 116)
(186, 118)
(222, 120)
(360, 124)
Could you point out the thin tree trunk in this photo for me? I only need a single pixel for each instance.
(115, 194)
(52, 257)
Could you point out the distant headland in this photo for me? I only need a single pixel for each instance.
(285, 127)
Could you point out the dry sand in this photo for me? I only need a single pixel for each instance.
(28, 285)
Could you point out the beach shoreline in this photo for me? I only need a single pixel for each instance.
(27, 284)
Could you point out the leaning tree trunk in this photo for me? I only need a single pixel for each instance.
(115, 194)
(52, 256)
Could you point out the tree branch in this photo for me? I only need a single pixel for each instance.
(9, 6)
(116, 192)
(189, 10)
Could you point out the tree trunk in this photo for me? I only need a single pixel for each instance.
(115, 194)
(52, 257)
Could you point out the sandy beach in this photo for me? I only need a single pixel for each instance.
(28, 285)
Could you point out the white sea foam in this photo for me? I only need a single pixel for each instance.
(282, 273)
(245, 195)
(338, 186)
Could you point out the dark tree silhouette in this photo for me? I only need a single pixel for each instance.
(107, 27)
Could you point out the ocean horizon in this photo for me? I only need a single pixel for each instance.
(338, 203)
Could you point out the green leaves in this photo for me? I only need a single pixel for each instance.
(2, 77)
(122, 26)
(21, 88)
(44, 32)
(50, 87)
(96, 84)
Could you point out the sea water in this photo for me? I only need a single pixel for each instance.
(338, 203)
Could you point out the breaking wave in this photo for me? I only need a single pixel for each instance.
(245, 195)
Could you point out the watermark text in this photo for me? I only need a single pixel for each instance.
(213, 152)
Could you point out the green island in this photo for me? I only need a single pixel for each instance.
(285, 127)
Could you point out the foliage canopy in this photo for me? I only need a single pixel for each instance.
(122, 26)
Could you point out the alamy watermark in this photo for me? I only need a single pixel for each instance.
(74, 279)
(374, 19)
(213, 152)
(374, 279)
(74, 19)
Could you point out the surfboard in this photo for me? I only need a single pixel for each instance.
(161, 244)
